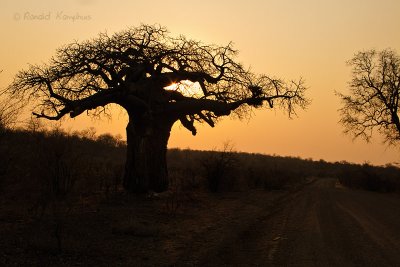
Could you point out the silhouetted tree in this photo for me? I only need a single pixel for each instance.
(133, 69)
(218, 165)
(9, 110)
(373, 102)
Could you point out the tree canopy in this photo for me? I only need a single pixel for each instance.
(132, 68)
(373, 100)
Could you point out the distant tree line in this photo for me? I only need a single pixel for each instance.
(40, 163)
(42, 166)
(372, 178)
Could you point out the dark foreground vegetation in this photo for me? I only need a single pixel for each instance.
(53, 162)
(62, 197)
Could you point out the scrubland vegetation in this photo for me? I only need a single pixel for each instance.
(40, 165)
(57, 187)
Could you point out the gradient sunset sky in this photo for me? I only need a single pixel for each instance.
(289, 39)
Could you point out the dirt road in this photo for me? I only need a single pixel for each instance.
(319, 225)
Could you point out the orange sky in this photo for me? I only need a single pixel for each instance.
(282, 38)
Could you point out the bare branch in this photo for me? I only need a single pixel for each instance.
(373, 101)
(132, 68)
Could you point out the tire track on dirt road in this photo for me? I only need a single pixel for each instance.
(317, 225)
(255, 237)
(338, 228)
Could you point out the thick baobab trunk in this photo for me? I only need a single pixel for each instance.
(146, 163)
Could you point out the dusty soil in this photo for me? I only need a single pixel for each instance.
(319, 224)
(125, 230)
(323, 224)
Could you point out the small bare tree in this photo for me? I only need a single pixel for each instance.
(9, 111)
(8, 114)
(373, 102)
(218, 165)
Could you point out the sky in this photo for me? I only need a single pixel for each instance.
(287, 39)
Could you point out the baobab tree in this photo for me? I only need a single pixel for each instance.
(159, 80)
(373, 101)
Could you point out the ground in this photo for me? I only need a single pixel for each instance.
(318, 224)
